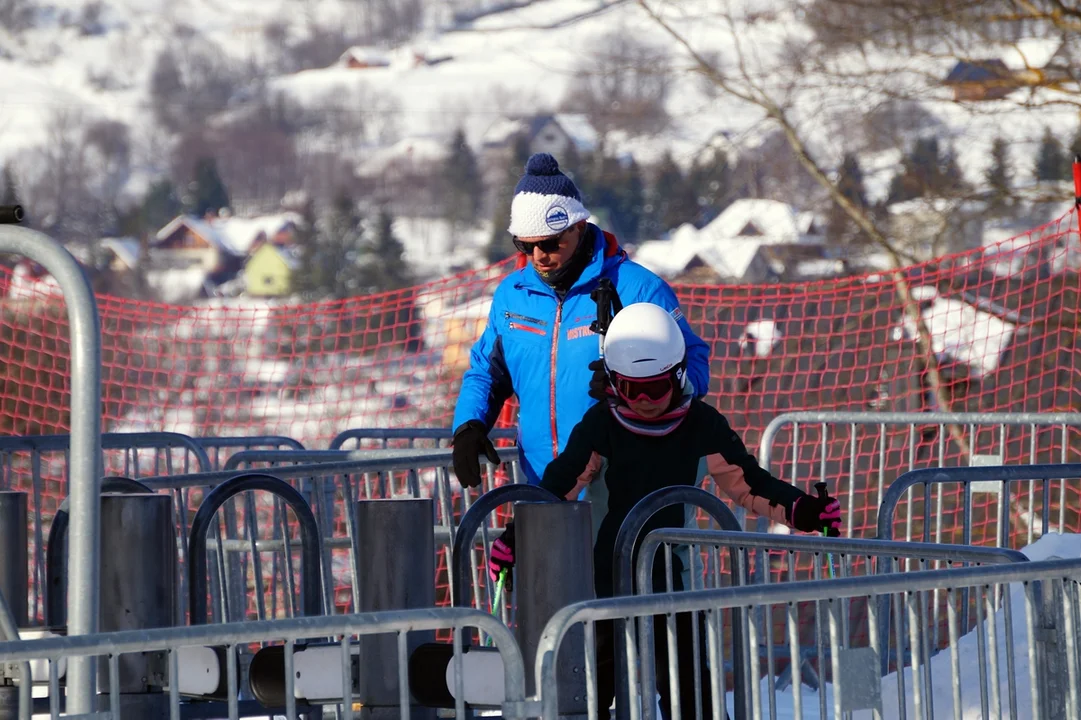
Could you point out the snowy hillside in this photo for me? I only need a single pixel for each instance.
(96, 58)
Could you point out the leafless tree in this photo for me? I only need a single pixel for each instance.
(108, 157)
(622, 83)
(771, 83)
(191, 81)
(16, 15)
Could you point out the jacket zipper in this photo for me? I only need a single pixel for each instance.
(552, 394)
(511, 315)
(526, 328)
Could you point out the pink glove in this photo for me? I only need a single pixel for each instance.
(502, 558)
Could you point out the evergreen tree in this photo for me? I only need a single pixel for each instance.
(160, 205)
(383, 259)
(631, 198)
(167, 90)
(1075, 151)
(619, 191)
(950, 179)
(926, 171)
(11, 188)
(672, 200)
(334, 262)
(207, 191)
(1051, 161)
(711, 180)
(840, 227)
(463, 188)
(499, 243)
(999, 176)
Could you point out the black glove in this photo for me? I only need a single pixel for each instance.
(817, 514)
(502, 558)
(599, 387)
(470, 440)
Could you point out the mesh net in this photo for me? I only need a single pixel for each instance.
(1002, 319)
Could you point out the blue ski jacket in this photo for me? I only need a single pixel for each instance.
(539, 347)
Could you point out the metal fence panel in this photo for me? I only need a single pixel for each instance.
(220, 449)
(1004, 505)
(340, 629)
(407, 437)
(331, 487)
(825, 557)
(39, 465)
(1019, 608)
(860, 453)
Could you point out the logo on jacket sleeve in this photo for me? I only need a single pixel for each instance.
(676, 314)
(557, 218)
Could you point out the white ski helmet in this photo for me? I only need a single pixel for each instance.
(644, 341)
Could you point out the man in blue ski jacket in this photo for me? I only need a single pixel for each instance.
(538, 344)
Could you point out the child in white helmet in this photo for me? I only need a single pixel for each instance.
(653, 433)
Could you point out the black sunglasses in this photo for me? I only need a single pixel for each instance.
(547, 245)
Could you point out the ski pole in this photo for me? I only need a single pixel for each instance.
(495, 600)
(822, 493)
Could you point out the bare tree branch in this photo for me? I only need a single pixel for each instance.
(754, 94)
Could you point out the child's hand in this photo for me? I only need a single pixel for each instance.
(502, 558)
(817, 514)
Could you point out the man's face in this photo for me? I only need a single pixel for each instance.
(551, 252)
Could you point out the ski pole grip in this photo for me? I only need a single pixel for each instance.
(820, 487)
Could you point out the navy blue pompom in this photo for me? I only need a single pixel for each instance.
(542, 164)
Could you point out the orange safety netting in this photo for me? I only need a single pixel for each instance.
(1003, 321)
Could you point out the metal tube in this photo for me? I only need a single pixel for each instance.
(1034, 678)
(14, 560)
(554, 562)
(397, 568)
(138, 582)
(85, 344)
(992, 656)
(310, 542)
(955, 655)
(56, 551)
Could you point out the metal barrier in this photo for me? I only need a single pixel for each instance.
(439, 437)
(851, 448)
(49, 477)
(85, 454)
(623, 563)
(311, 598)
(1049, 594)
(215, 446)
(1004, 481)
(293, 632)
(331, 488)
(840, 557)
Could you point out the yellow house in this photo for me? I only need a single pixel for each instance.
(269, 271)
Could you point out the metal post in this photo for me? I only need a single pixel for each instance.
(396, 570)
(554, 568)
(85, 460)
(138, 592)
(14, 577)
(14, 567)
